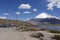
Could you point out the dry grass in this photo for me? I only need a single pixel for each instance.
(54, 31)
(25, 28)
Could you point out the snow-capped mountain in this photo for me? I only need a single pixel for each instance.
(45, 15)
(45, 18)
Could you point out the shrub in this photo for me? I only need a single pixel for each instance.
(42, 29)
(32, 29)
(54, 31)
(24, 28)
(57, 37)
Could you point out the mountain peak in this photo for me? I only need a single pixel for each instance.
(43, 15)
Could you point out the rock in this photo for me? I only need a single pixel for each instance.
(36, 35)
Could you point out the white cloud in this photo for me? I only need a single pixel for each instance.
(17, 13)
(2, 17)
(53, 3)
(24, 6)
(50, 6)
(58, 5)
(27, 12)
(6, 14)
(35, 9)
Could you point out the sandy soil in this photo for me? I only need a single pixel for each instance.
(12, 34)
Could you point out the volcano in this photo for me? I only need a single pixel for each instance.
(45, 18)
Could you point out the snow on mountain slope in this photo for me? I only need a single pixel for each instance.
(45, 15)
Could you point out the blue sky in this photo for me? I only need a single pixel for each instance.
(27, 9)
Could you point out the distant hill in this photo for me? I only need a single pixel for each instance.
(45, 21)
(7, 22)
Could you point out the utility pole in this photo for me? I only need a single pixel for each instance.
(6, 14)
(17, 14)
